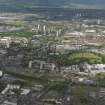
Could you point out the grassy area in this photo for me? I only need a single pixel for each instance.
(59, 86)
(18, 34)
(81, 90)
(77, 57)
(29, 79)
(15, 23)
(44, 78)
(80, 57)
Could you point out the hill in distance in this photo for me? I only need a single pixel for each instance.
(80, 4)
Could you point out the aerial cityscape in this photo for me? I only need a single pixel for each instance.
(52, 52)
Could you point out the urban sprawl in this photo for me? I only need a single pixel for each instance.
(51, 62)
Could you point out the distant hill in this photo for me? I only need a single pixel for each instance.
(82, 4)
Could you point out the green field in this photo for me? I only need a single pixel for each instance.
(17, 34)
(88, 57)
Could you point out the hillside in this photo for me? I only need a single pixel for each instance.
(25, 4)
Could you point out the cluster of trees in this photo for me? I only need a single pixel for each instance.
(80, 57)
(89, 57)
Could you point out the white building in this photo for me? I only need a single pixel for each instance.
(5, 41)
